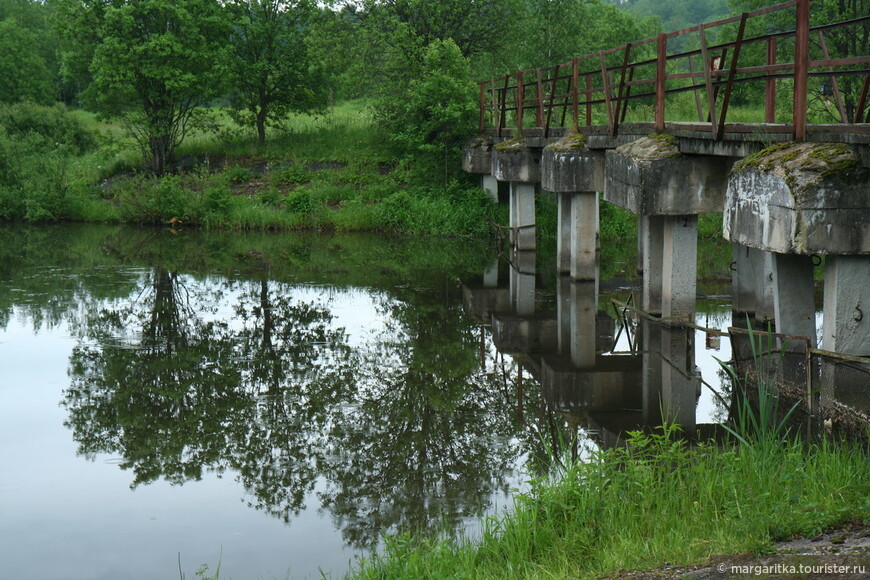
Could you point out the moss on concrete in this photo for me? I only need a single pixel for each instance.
(803, 165)
(651, 148)
(512, 144)
(570, 142)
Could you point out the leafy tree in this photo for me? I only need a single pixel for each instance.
(153, 64)
(338, 48)
(28, 67)
(25, 74)
(271, 71)
(439, 110)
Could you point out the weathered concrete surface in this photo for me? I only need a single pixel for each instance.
(516, 162)
(489, 184)
(846, 325)
(568, 166)
(679, 265)
(651, 177)
(585, 243)
(477, 156)
(652, 251)
(800, 198)
(525, 334)
(794, 303)
(522, 215)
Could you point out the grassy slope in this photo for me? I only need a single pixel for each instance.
(334, 171)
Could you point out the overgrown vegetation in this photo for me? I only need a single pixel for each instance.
(654, 501)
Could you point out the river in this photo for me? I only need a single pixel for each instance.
(274, 404)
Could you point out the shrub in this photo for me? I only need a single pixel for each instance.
(55, 126)
(288, 175)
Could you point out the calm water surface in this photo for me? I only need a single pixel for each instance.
(272, 403)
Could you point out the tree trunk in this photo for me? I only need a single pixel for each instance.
(261, 126)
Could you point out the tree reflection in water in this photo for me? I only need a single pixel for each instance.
(406, 432)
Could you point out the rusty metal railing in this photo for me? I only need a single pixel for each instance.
(600, 89)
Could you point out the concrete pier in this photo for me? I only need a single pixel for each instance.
(651, 178)
(519, 164)
(795, 201)
(576, 174)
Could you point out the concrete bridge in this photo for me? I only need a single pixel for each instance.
(788, 191)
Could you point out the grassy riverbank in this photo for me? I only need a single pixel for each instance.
(656, 501)
(335, 171)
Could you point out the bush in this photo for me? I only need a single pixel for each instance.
(54, 126)
(288, 175)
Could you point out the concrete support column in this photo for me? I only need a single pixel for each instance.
(652, 245)
(846, 322)
(584, 236)
(584, 312)
(564, 232)
(490, 186)
(765, 311)
(679, 264)
(794, 305)
(744, 278)
(642, 223)
(522, 216)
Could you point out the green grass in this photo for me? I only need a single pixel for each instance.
(655, 501)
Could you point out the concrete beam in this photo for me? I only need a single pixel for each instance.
(513, 161)
(650, 176)
(568, 166)
(477, 156)
(800, 198)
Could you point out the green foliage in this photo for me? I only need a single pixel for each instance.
(550, 32)
(54, 126)
(238, 174)
(153, 63)
(288, 175)
(37, 147)
(23, 68)
(438, 111)
(270, 68)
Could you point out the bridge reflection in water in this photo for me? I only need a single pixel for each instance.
(607, 368)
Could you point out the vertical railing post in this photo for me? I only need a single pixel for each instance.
(661, 71)
(770, 90)
(540, 101)
(588, 100)
(521, 97)
(801, 72)
(482, 107)
(575, 89)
